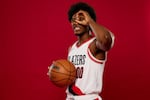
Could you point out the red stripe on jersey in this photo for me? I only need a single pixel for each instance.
(90, 55)
(83, 42)
(77, 90)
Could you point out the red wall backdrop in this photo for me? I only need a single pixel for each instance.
(33, 33)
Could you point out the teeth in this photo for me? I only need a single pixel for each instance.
(76, 28)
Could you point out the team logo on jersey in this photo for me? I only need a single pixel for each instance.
(77, 59)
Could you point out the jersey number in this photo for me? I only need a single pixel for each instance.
(79, 72)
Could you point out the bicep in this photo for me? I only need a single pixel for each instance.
(108, 44)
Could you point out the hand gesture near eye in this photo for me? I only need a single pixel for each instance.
(83, 18)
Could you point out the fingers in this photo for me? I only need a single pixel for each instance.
(49, 68)
(81, 22)
(82, 13)
(82, 17)
(48, 73)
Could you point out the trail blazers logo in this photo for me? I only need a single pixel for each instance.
(77, 59)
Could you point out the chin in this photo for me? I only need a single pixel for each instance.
(78, 34)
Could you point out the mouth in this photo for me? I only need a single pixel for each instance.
(76, 28)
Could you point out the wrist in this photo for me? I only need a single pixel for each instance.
(91, 22)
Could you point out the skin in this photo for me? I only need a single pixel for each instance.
(81, 23)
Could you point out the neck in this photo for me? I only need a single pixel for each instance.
(83, 38)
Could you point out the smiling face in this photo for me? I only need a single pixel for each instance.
(78, 28)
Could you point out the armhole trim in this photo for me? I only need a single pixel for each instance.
(94, 59)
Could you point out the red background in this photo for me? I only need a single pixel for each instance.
(33, 33)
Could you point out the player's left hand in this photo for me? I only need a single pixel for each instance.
(48, 73)
(83, 17)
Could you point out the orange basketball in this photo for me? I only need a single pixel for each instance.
(62, 73)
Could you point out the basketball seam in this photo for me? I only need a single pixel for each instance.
(65, 68)
(70, 77)
(60, 80)
(61, 73)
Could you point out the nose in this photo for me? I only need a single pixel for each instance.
(74, 23)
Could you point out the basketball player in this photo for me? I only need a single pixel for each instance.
(88, 53)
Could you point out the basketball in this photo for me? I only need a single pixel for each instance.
(62, 73)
